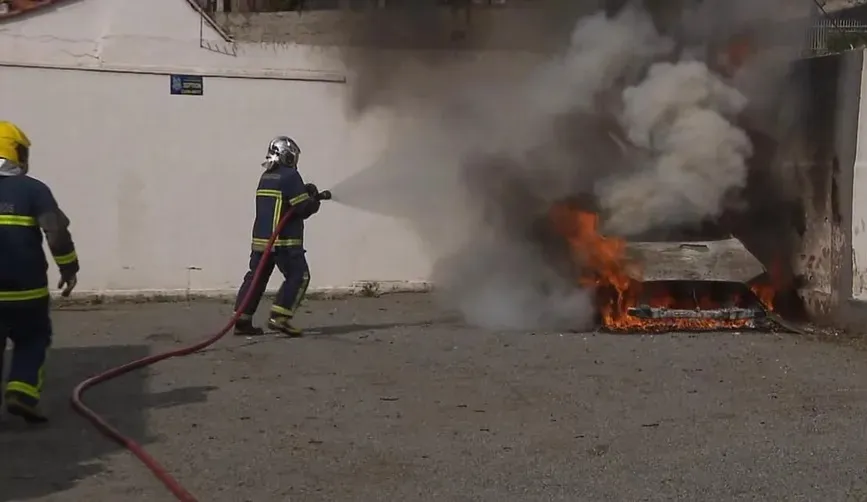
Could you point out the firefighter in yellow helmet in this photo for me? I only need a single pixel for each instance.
(27, 209)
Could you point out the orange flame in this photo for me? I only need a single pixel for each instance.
(736, 53)
(775, 281)
(605, 267)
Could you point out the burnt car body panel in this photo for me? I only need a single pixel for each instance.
(725, 260)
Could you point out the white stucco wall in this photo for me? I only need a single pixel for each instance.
(160, 187)
(859, 200)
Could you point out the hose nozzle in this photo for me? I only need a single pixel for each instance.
(324, 195)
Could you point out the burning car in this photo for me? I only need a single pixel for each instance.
(662, 137)
(673, 281)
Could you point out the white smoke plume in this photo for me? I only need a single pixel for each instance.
(484, 144)
(682, 115)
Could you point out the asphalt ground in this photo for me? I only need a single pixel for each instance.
(392, 399)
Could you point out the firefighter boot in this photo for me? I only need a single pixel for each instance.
(283, 325)
(23, 406)
(244, 327)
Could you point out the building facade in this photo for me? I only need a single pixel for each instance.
(159, 185)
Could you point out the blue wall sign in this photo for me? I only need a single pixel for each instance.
(187, 85)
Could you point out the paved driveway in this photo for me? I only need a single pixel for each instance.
(396, 401)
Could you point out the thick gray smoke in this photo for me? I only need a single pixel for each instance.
(682, 115)
(481, 144)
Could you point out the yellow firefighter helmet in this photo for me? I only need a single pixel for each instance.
(14, 144)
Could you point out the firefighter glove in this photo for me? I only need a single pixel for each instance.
(67, 284)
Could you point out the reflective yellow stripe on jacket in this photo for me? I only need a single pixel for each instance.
(259, 244)
(14, 220)
(21, 296)
(66, 259)
(294, 201)
(277, 195)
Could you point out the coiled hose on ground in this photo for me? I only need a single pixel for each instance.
(136, 449)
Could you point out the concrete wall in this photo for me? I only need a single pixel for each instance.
(821, 154)
(820, 160)
(831, 154)
(858, 234)
(160, 187)
(521, 27)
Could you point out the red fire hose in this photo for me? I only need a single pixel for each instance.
(106, 429)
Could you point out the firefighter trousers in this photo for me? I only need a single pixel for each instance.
(27, 325)
(292, 263)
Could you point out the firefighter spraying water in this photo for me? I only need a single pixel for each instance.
(281, 191)
(284, 201)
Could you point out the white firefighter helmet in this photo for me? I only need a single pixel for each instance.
(283, 150)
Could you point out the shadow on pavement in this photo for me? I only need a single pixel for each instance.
(36, 462)
(345, 329)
